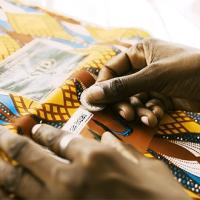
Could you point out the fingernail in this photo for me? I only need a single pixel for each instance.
(35, 128)
(94, 94)
(145, 120)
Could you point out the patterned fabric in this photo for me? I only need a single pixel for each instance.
(179, 136)
(176, 142)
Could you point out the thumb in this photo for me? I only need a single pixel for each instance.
(119, 88)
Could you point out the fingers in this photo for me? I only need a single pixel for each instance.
(28, 154)
(142, 96)
(125, 110)
(142, 106)
(133, 59)
(147, 117)
(137, 56)
(156, 106)
(76, 150)
(18, 181)
(127, 151)
(119, 88)
(149, 111)
(143, 113)
(121, 64)
(166, 101)
(55, 139)
(117, 66)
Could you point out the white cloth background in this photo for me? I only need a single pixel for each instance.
(173, 20)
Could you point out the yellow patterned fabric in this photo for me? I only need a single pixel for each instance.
(40, 25)
(95, 46)
(7, 46)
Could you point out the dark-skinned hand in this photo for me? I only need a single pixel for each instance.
(149, 79)
(88, 170)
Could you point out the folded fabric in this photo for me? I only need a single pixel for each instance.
(42, 83)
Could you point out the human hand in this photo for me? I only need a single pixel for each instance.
(150, 78)
(94, 171)
(4, 195)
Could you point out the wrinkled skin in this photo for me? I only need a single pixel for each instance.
(149, 79)
(107, 170)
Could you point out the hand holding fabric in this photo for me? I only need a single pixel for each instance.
(151, 77)
(110, 170)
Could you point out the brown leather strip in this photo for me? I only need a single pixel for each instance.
(24, 124)
(85, 77)
(163, 146)
(140, 138)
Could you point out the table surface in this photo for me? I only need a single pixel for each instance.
(173, 20)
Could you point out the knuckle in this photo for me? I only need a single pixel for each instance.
(151, 46)
(109, 71)
(158, 111)
(48, 135)
(16, 146)
(139, 46)
(154, 102)
(99, 156)
(135, 101)
(149, 41)
(136, 56)
(115, 87)
(135, 48)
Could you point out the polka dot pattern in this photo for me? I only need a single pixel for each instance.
(182, 176)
